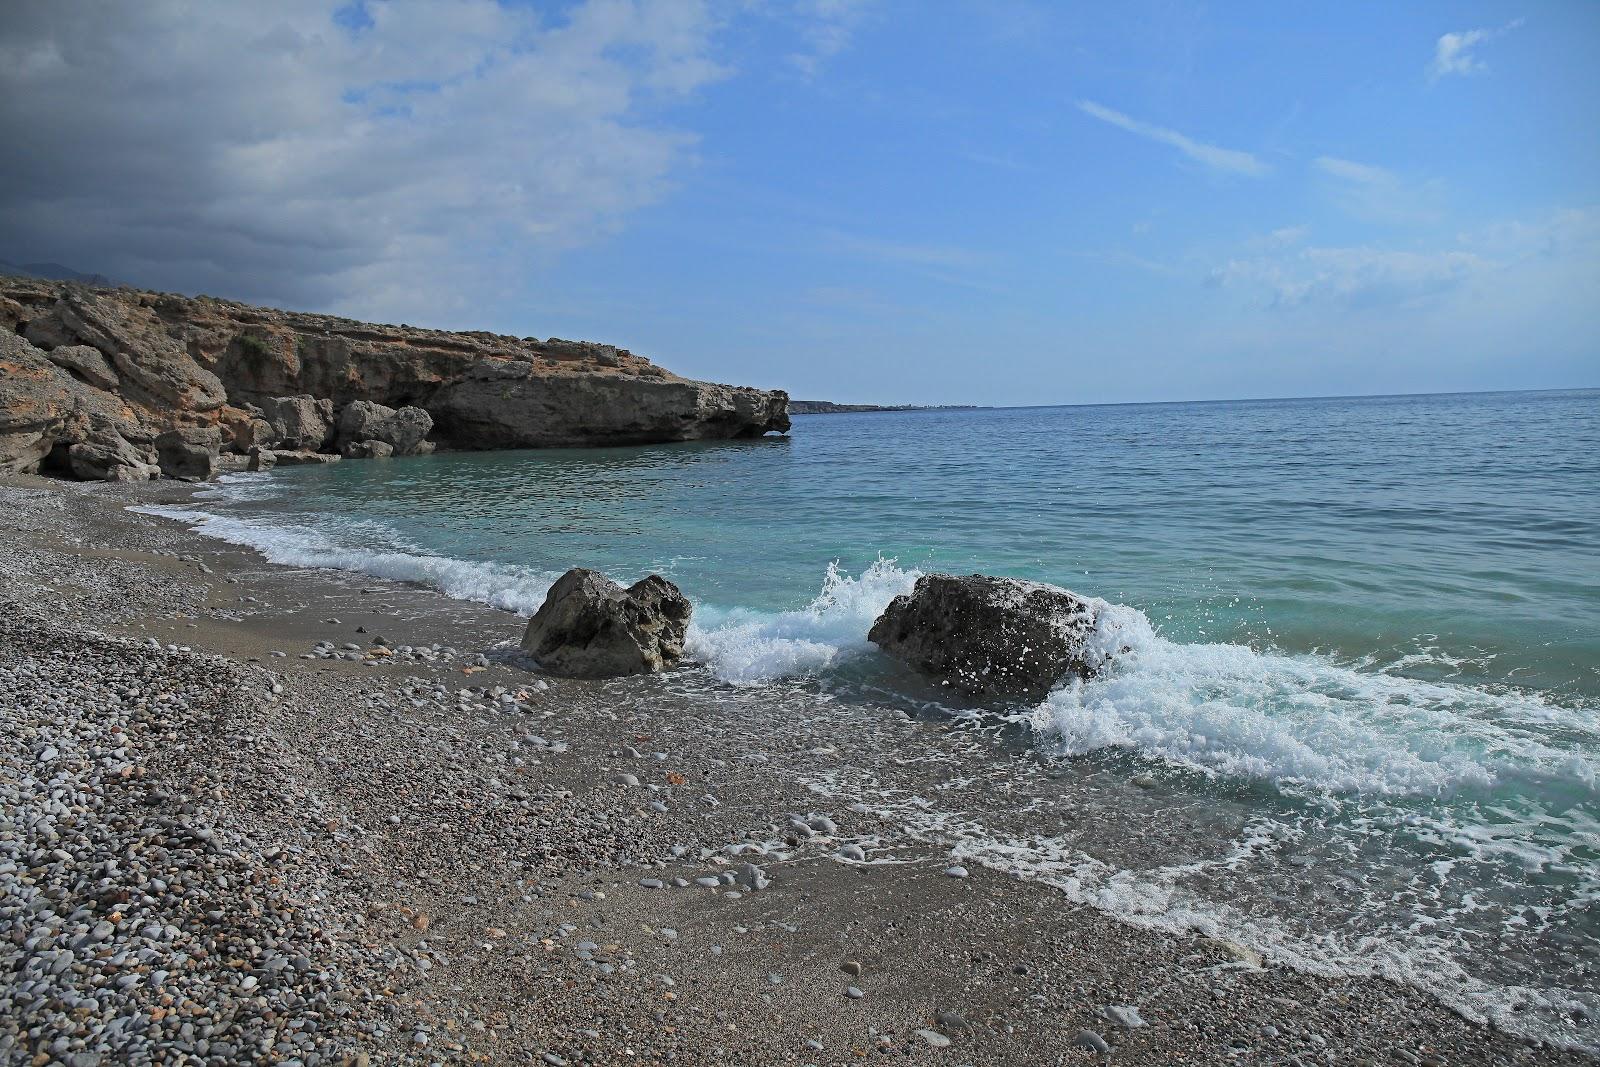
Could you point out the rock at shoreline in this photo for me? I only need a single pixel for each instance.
(366, 450)
(111, 370)
(298, 423)
(991, 637)
(373, 430)
(189, 453)
(107, 456)
(285, 457)
(590, 627)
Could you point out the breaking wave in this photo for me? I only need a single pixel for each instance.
(1304, 721)
(745, 647)
(1300, 721)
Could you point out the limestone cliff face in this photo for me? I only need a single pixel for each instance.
(107, 371)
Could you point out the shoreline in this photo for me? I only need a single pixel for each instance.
(474, 868)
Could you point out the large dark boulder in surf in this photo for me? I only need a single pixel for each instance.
(991, 637)
(591, 627)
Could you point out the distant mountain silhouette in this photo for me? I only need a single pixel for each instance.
(54, 272)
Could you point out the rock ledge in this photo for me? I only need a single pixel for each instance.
(90, 379)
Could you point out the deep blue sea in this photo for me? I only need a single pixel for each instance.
(1373, 623)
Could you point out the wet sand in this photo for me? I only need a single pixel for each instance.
(447, 857)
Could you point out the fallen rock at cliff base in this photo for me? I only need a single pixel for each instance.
(189, 453)
(366, 450)
(591, 627)
(369, 429)
(299, 423)
(991, 637)
(290, 457)
(107, 456)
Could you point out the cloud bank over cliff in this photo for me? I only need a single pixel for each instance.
(305, 153)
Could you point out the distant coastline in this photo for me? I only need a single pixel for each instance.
(828, 407)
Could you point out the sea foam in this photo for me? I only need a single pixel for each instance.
(1306, 721)
(1300, 721)
(740, 646)
(744, 647)
(500, 585)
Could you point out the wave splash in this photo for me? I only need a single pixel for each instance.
(740, 646)
(1297, 721)
(743, 647)
(1303, 721)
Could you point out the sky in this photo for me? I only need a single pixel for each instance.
(937, 202)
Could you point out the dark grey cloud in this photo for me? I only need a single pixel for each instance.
(384, 165)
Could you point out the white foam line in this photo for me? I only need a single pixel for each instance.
(510, 588)
(1153, 900)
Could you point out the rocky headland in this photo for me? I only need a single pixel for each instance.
(128, 385)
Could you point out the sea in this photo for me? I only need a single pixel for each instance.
(1363, 642)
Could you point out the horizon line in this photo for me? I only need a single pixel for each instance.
(885, 409)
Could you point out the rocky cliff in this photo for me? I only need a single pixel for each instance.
(124, 384)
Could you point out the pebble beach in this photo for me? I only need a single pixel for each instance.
(261, 814)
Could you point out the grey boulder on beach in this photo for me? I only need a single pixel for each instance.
(591, 627)
(992, 637)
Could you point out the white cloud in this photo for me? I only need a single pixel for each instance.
(1227, 160)
(392, 169)
(1361, 173)
(1351, 277)
(1453, 52)
(1487, 262)
(1568, 235)
(1377, 194)
(826, 29)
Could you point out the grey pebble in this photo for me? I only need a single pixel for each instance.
(1091, 1040)
(1124, 1015)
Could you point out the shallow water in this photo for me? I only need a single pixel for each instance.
(1365, 667)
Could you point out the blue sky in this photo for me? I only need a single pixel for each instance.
(1000, 202)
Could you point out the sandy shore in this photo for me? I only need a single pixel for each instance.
(221, 845)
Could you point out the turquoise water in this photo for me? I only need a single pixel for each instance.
(1374, 623)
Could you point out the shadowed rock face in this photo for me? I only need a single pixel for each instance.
(116, 368)
(991, 637)
(591, 627)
